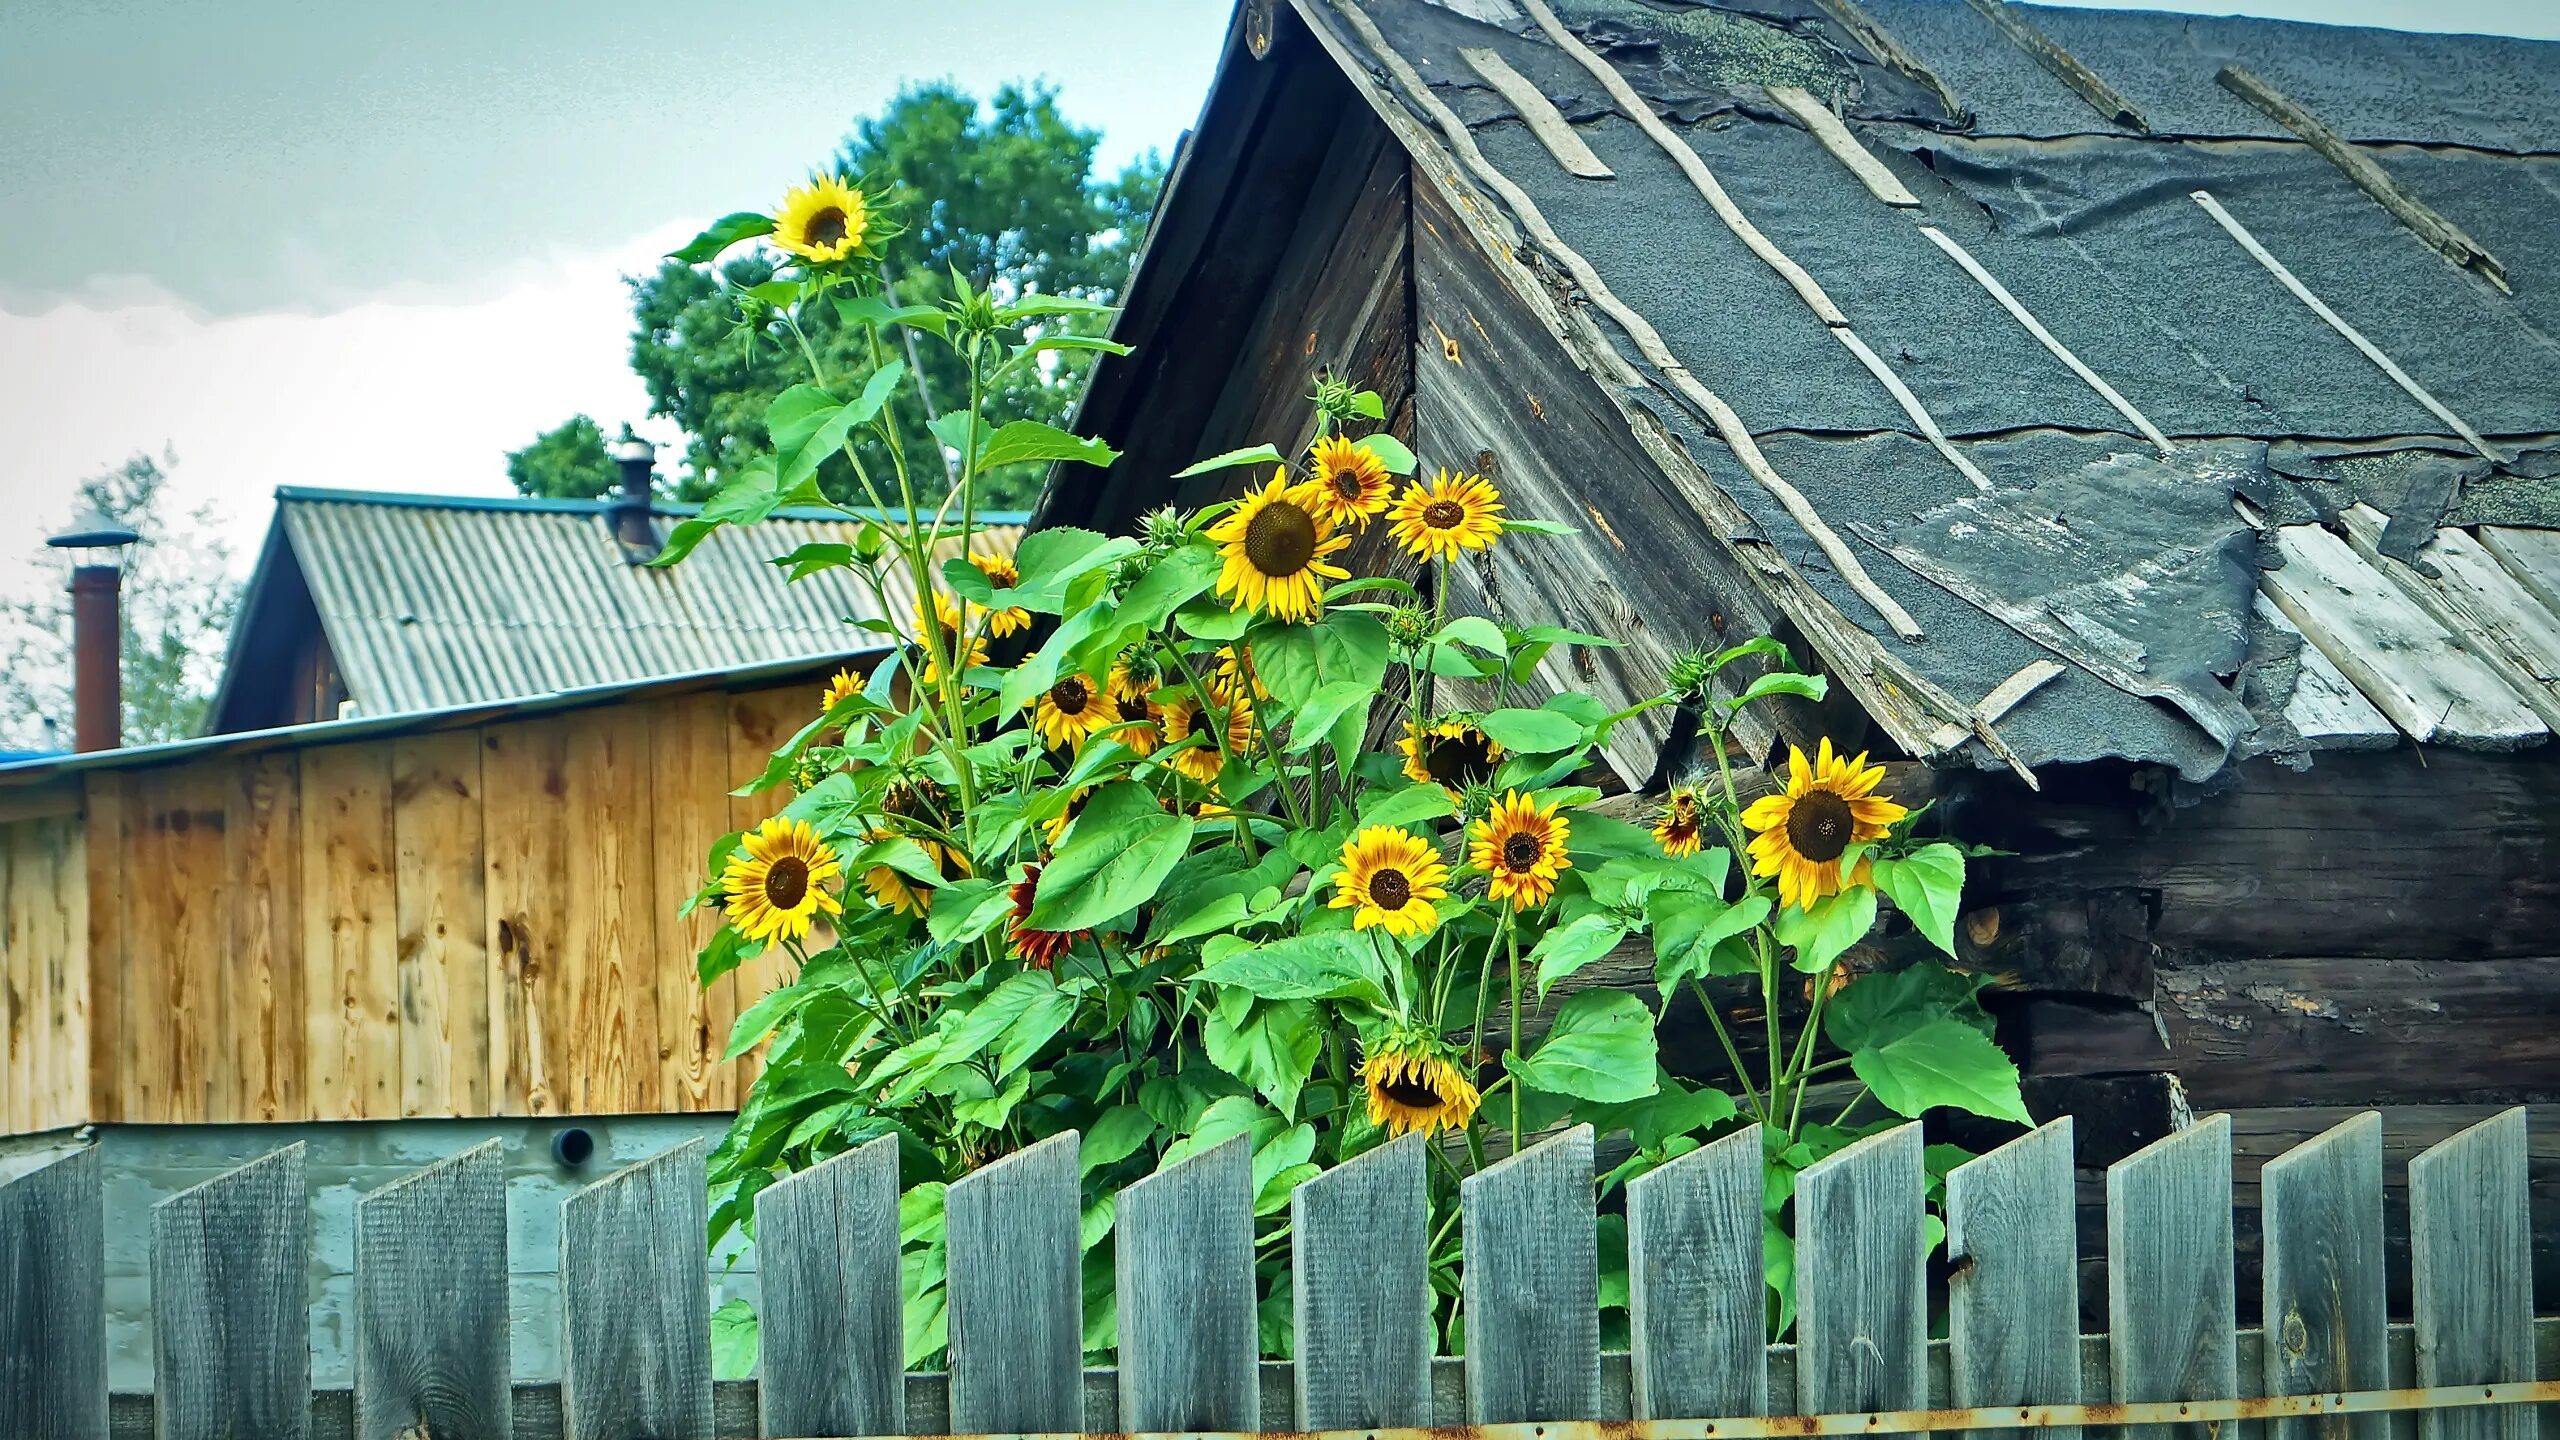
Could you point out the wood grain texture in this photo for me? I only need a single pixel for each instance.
(1360, 1281)
(1697, 1300)
(1016, 1292)
(1836, 138)
(19, 1067)
(177, 990)
(2322, 1275)
(430, 1307)
(609, 945)
(1531, 1285)
(524, 789)
(2013, 1302)
(2326, 709)
(44, 974)
(689, 745)
(103, 868)
(1862, 1304)
(635, 1309)
(351, 932)
(2461, 587)
(2171, 1308)
(2531, 556)
(2471, 1273)
(1538, 113)
(230, 1323)
(1189, 1331)
(831, 1333)
(268, 1032)
(442, 882)
(53, 1327)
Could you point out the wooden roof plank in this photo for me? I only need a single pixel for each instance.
(2462, 586)
(2326, 709)
(2407, 663)
(2531, 556)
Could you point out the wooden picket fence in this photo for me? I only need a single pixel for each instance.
(232, 1355)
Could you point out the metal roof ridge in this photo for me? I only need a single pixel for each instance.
(551, 505)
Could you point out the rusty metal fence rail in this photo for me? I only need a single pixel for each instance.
(231, 1337)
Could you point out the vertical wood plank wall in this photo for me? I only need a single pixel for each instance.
(466, 922)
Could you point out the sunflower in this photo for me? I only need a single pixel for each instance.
(1275, 544)
(1454, 752)
(822, 220)
(1235, 671)
(1351, 483)
(1069, 711)
(1827, 807)
(1056, 825)
(1414, 1085)
(1130, 706)
(841, 686)
(1389, 877)
(1183, 718)
(1451, 514)
(1038, 949)
(1003, 574)
(895, 889)
(947, 610)
(1522, 848)
(775, 879)
(1682, 830)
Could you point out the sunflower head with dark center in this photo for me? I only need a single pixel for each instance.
(828, 227)
(1459, 760)
(1389, 889)
(1819, 825)
(1280, 538)
(1444, 514)
(1070, 695)
(912, 799)
(1409, 1091)
(1346, 483)
(1522, 851)
(1132, 707)
(786, 882)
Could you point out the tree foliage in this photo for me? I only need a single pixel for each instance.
(566, 462)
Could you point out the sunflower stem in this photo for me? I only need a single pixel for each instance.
(1512, 940)
(1732, 1052)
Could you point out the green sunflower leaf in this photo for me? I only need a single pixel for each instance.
(1249, 455)
(1532, 732)
(722, 233)
(1391, 452)
(1601, 1048)
(1927, 885)
(1115, 858)
(1566, 949)
(1820, 934)
(1943, 1063)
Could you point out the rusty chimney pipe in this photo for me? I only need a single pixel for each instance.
(97, 629)
(627, 510)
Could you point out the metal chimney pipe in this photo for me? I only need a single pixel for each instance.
(97, 629)
(628, 511)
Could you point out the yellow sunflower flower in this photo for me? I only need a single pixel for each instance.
(954, 626)
(1521, 849)
(1352, 484)
(1682, 829)
(1827, 807)
(1003, 574)
(822, 220)
(1389, 877)
(1453, 513)
(1069, 711)
(1135, 710)
(894, 889)
(1056, 825)
(1414, 1086)
(1453, 752)
(1277, 549)
(1234, 673)
(1038, 949)
(1183, 718)
(841, 686)
(775, 880)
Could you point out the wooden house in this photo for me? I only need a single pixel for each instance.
(2146, 422)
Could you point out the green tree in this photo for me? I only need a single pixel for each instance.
(1014, 205)
(178, 600)
(566, 462)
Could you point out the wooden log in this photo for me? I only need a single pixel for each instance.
(1189, 1331)
(53, 1327)
(230, 1323)
(831, 1333)
(1814, 115)
(1016, 1293)
(2013, 1298)
(2083, 81)
(430, 1309)
(2471, 1274)
(1531, 1285)
(1538, 113)
(2322, 1272)
(1697, 1300)
(635, 1305)
(1360, 1279)
(1862, 1294)
(2171, 1311)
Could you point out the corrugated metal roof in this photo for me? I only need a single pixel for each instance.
(430, 603)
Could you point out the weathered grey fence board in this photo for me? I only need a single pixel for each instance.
(1862, 1296)
(1016, 1293)
(2471, 1273)
(53, 1327)
(2013, 1287)
(1697, 1299)
(1531, 1285)
(230, 1321)
(830, 1330)
(431, 1302)
(636, 1311)
(1190, 1335)
(2324, 1297)
(1360, 1280)
(2170, 1291)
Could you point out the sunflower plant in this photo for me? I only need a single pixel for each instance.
(1192, 833)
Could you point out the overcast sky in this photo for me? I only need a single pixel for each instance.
(307, 242)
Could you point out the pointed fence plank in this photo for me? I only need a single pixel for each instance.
(830, 1331)
(1532, 1285)
(1190, 1337)
(2170, 1300)
(636, 1309)
(2326, 1325)
(1862, 1299)
(1695, 1293)
(431, 1302)
(1360, 1274)
(230, 1322)
(2471, 1274)
(1016, 1288)
(53, 1329)
(2013, 1292)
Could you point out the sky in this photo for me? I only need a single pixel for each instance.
(305, 242)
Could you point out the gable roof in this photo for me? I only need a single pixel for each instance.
(1983, 381)
(430, 602)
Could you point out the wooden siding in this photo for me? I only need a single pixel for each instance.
(467, 922)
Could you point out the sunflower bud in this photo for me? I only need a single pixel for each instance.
(1333, 400)
(870, 543)
(1408, 627)
(976, 312)
(1476, 802)
(811, 768)
(1164, 529)
(1691, 673)
(1139, 669)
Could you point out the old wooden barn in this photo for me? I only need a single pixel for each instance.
(2146, 422)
